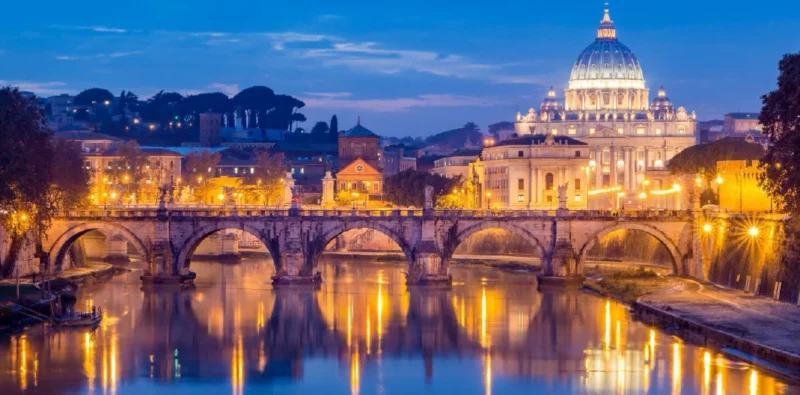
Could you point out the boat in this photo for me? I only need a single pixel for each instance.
(78, 320)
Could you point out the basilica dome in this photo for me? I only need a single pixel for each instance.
(607, 63)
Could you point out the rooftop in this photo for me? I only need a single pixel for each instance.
(743, 115)
(539, 139)
(359, 131)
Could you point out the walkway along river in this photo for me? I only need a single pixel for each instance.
(363, 332)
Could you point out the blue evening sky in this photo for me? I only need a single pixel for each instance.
(407, 67)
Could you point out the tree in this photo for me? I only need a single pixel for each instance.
(127, 173)
(333, 131)
(319, 130)
(37, 176)
(93, 96)
(407, 188)
(780, 119)
(703, 158)
(266, 182)
(162, 108)
(197, 171)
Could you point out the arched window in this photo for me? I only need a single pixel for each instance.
(548, 181)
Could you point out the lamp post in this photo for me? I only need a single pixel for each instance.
(489, 200)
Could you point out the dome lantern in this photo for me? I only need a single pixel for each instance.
(606, 30)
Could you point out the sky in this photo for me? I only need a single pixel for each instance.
(409, 68)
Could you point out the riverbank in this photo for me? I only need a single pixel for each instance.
(502, 262)
(742, 326)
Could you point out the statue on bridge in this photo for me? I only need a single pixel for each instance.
(562, 196)
(428, 197)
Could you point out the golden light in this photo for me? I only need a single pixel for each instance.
(199, 179)
(642, 195)
(676, 187)
(621, 194)
(488, 194)
(23, 217)
(105, 179)
(113, 195)
(592, 163)
(178, 180)
(719, 179)
(699, 181)
(753, 231)
(125, 177)
(220, 196)
(707, 228)
(646, 182)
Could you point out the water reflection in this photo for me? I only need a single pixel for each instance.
(363, 332)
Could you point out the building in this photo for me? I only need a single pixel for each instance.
(359, 161)
(525, 173)
(397, 158)
(738, 187)
(606, 105)
(89, 141)
(456, 164)
(740, 123)
(210, 126)
(359, 142)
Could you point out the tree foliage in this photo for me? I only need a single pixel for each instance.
(93, 96)
(38, 176)
(266, 182)
(407, 188)
(198, 169)
(456, 138)
(333, 130)
(319, 130)
(703, 158)
(780, 119)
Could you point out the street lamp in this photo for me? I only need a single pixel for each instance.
(489, 200)
(355, 196)
(707, 228)
(753, 231)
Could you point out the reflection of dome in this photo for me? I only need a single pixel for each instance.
(607, 63)
(661, 102)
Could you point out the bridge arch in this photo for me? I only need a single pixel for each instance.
(62, 244)
(451, 243)
(675, 253)
(318, 245)
(186, 249)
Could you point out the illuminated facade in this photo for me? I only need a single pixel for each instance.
(525, 173)
(607, 106)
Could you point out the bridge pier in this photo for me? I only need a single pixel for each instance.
(293, 270)
(428, 267)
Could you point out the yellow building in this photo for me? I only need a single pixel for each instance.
(738, 187)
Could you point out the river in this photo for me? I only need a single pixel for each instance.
(363, 332)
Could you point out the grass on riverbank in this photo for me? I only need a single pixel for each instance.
(628, 286)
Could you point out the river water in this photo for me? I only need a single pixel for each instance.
(363, 332)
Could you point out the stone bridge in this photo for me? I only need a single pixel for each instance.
(167, 237)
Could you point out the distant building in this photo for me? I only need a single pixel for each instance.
(525, 173)
(91, 143)
(210, 126)
(739, 190)
(739, 123)
(360, 179)
(61, 104)
(397, 158)
(456, 164)
(359, 142)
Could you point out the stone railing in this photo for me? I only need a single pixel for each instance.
(235, 212)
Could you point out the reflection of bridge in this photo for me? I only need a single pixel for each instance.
(296, 238)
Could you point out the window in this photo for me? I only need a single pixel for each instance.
(554, 131)
(620, 131)
(640, 129)
(521, 184)
(521, 154)
(520, 198)
(658, 130)
(572, 130)
(376, 186)
(236, 170)
(548, 181)
(577, 154)
(591, 130)
(302, 170)
(681, 130)
(577, 198)
(577, 184)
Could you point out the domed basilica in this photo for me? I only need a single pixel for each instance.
(607, 106)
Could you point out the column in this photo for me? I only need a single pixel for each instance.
(613, 166)
(539, 185)
(531, 185)
(598, 159)
(646, 159)
(626, 154)
(634, 165)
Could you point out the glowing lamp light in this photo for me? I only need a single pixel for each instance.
(592, 163)
(621, 194)
(488, 194)
(753, 231)
(699, 181)
(719, 180)
(646, 182)
(220, 196)
(642, 195)
(676, 187)
(113, 195)
(707, 228)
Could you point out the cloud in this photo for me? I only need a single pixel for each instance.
(328, 17)
(519, 79)
(98, 29)
(280, 40)
(39, 88)
(228, 89)
(401, 103)
(328, 94)
(221, 41)
(112, 55)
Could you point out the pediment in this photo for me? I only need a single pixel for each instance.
(358, 167)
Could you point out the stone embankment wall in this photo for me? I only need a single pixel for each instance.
(17, 259)
(753, 255)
